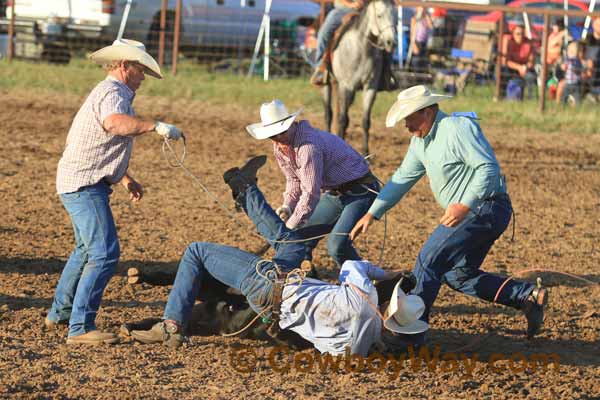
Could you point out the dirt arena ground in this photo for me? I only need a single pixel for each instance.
(554, 181)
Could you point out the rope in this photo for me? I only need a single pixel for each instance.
(508, 279)
(297, 272)
(248, 325)
(366, 298)
(179, 163)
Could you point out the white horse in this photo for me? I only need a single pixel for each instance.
(357, 64)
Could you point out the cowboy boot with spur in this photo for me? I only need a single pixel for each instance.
(533, 308)
(167, 332)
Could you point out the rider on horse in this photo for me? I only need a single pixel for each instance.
(332, 22)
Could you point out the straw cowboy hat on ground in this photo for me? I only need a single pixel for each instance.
(411, 100)
(128, 50)
(403, 313)
(275, 119)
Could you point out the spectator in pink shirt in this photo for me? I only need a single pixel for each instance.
(327, 181)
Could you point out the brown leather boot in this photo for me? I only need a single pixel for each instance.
(319, 77)
(94, 338)
(166, 332)
(50, 325)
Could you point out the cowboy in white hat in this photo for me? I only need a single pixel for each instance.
(96, 156)
(327, 181)
(465, 178)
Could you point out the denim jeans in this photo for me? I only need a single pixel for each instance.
(572, 89)
(454, 255)
(528, 83)
(234, 267)
(91, 264)
(332, 22)
(340, 214)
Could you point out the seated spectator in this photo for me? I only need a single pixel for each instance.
(575, 71)
(421, 26)
(592, 42)
(593, 38)
(518, 61)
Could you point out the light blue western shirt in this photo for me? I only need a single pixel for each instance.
(335, 317)
(458, 160)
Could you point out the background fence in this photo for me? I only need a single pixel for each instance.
(453, 46)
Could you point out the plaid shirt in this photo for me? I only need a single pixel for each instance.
(574, 70)
(314, 160)
(91, 153)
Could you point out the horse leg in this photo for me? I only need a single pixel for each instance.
(326, 94)
(345, 99)
(368, 100)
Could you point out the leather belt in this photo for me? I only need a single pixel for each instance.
(366, 179)
(276, 297)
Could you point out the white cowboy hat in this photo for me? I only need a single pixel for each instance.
(410, 100)
(128, 50)
(403, 313)
(275, 119)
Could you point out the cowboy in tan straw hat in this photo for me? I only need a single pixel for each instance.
(99, 146)
(466, 181)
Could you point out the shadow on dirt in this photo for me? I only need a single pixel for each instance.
(55, 266)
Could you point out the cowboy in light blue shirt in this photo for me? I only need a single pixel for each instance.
(466, 182)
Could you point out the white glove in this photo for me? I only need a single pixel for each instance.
(167, 131)
(284, 212)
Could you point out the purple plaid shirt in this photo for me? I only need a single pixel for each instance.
(574, 70)
(92, 154)
(317, 160)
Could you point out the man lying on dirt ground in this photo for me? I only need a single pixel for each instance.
(314, 160)
(466, 181)
(331, 317)
(224, 310)
(96, 157)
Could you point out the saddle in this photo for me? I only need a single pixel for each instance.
(347, 22)
(387, 82)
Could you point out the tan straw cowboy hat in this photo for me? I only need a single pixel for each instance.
(128, 50)
(403, 313)
(411, 100)
(275, 119)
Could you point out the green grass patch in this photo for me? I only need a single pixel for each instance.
(194, 82)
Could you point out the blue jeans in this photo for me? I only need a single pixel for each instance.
(331, 23)
(340, 214)
(454, 255)
(234, 267)
(91, 264)
(527, 83)
(573, 89)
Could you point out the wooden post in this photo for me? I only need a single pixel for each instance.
(11, 33)
(176, 36)
(161, 37)
(544, 64)
(499, 57)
